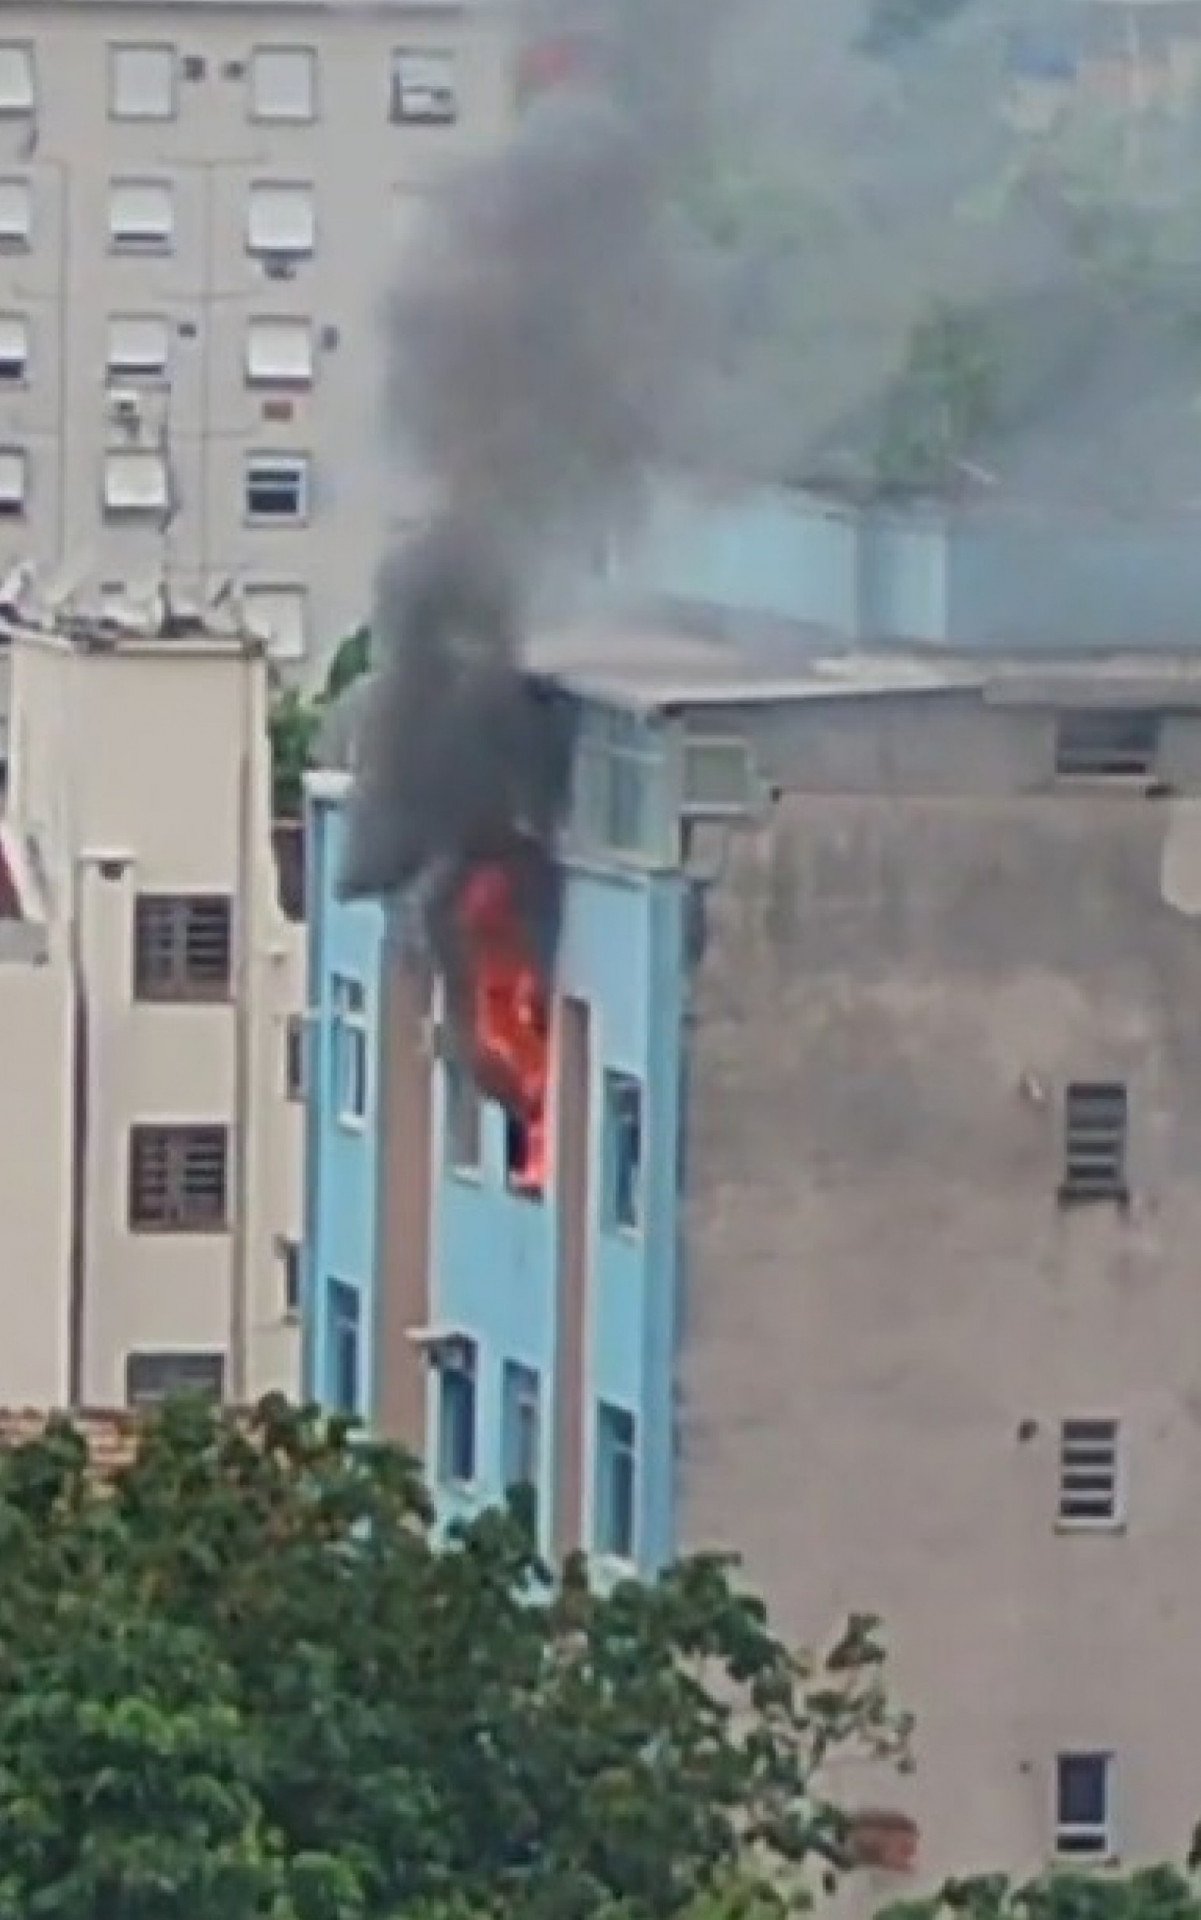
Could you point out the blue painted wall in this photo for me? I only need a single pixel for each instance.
(345, 943)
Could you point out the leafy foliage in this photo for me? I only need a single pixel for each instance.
(943, 403)
(293, 724)
(249, 1680)
(1152, 1893)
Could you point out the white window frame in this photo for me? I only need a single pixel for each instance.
(296, 236)
(348, 1025)
(14, 348)
(288, 359)
(17, 238)
(129, 507)
(423, 86)
(278, 590)
(1090, 1841)
(124, 102)
(141, 238)
(1090, 1448)
(18, 66)
(280, 113)
(125, 366)
(263, 461)
(14, 499)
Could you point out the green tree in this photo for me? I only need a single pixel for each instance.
(1152, 1893)
(352, 657)
(248, 1679)
(293, 725)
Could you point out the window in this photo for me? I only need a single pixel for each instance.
(462, 1122)
(344, 1385)
(456, 1413)
(177, 1179)
(1107, 743)
(1095, 1123)
(616, 1482)
(14, 482)
(279, 616)
(136, 483)
(139, 346)
(718, 778)
(289, 1259)
(349, 1050)
(18, 82)
(1089, 1494)
(1083, 1815)
(295, 1057)
(151, 1377)
(423, 87)
(279, 353)
(283, 84)
(618, 790)
(14, 348)
(281, 221)
(522, 1435)
(623, 1151)
(16, 215)
(182, 946)
(141, 216)
(277, 487)
(141, 83)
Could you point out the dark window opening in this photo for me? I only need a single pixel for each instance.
(295, 1074)
(522, 1396)
(616, 1482)
(1107, 743)
(345, 1360)
(151, 1377)
(183, 946)
(518, 1148)
(178, 1179)
(456, 1415)
(289, 1253)
(1095, 1129)
(1088, 1473)
(1082, 1805)
(623, 1150)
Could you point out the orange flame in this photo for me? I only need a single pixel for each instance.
(510, 1021)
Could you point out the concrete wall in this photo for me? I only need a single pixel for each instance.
(883, 1291)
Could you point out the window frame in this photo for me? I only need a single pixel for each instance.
(461, 1095)
(300, 464)
(21, 109)
(291, 1258)
(1082, 1436)
(349, 1037)
(14, 240)
(521, 1414)
(255, 111)
(179, 983)
(133, 510)
(290, 381)
(15, 506)
(343, 1318)
(133, 372)
(398, 87)
(137, 116)
(296, 1058)
(615, 1448)
(1103, 756)
(457, 1371)
(261, 250)
(1079, 1834)
(141, 242)
(1081, 1133)
(173, 1139)
(20, 377)
(172, 1354)
(617, 1082)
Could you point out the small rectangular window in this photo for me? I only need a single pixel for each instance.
(139, 346)
(279, 616)
(178, 1178)
(349, 1067)
(1083, 1806)
(1107, 743)
(281, 220)
(423, 87)
(1089, 1492)
(521, 1395)
(183, 946)
(345, 1383)
(141, 216)
(290, 1264)
(14, 482)
(1095, 1128)
(14, 349)
(283, 84)
(296, 1057)
(16, 215)
(463, 1114)
(623, 1151)
(136, 485)
(18, 78)
(279, 353)
(456, 1370)
(152, 1377)
(615, 1520)
(142, 82)
(277, 488)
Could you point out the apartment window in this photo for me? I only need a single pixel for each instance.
(618, 786)
(344, 1386)
(16, 215)
(142, 83)
(1095, 1128)
(151, 1377)
(139, 346)
(290, 1265)
(349, 1050)
(14, 482)
(18, 78)
(281, 220)
(623, 1151)
(177, 1179)
(279, 353)
(616, 1482)
(283, 84)
(521, 1399)
(141, 216)
(14, 349)
(456, 1413)
(1089, 1487)
(295, 1057)
(277, 488)
(463, 1119)
(279, 615)
(1083, 1806)
(1107, 743)
(136, 484)
(423, 86)
(182, 946)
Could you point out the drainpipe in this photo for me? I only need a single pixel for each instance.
(245, 945)
(77, 1257)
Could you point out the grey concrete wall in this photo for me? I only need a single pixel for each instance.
(882, 1287)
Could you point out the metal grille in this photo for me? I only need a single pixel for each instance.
(182, 946)
(177, 1179)
(1095, 1122)
(1108, 744)
(1088, 1472)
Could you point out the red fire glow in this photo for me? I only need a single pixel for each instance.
(509, 1017)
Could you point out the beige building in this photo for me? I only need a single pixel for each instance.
(201, 205)
(150, 988)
